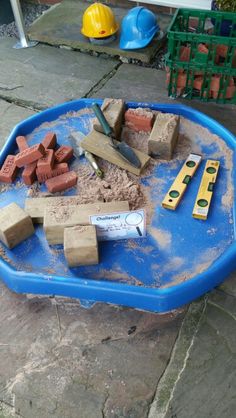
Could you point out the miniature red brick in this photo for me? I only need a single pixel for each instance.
(181, 80)
(62, 182)
(50, 140)
(29, 174)
(229, 94)
(167, 78)
(197, 84)
(215, 83)
(63, 154)
(231, 81)
(203, 49)
(9, 170)
(222, 50)
(46, 163)
(185, 53)
(180, 91)
(139, 119)
(22, 143)
(30, 155)
(58, 169)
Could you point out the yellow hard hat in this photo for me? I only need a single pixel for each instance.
(99, 21)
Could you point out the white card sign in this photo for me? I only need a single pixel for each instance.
(120, 225)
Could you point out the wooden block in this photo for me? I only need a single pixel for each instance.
(57, 218)
(35, 207)
(80, 245)
(15, 225)
(100, 145)
(164, 136)
(113, 110)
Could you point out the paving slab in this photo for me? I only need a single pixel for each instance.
(61, 25)
(10, 115)
(205, 384)
(133, 82)
(60, 360)
(42, 76)
(229, 286)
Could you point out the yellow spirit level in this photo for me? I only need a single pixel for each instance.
(175, 193)
(204, 196)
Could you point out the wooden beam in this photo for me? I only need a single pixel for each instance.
(56, 218)
(100, 145)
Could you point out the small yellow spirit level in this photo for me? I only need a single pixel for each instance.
(175, 193)
(204, 196)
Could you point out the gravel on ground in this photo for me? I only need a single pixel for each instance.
(30, 13)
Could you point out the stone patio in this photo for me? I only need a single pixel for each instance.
(59, 360)
(61, 25)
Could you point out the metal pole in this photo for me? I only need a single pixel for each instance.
(24, 40)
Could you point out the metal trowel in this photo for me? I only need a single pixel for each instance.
(122, 148)
(75, 139)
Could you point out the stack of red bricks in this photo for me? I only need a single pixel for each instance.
(185, 56)
(45, 162)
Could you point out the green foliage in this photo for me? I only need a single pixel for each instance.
(226, 5)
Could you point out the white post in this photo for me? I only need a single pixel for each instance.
(24, 40)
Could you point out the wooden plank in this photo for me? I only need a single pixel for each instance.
(100, 145)
(35, 206)
(56, 218)
(80, 245)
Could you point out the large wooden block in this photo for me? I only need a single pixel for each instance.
(15, 225)
(80, 245)
(113, 110)
(57, 218)
(100, 145)
(164, 136)
(35, 207)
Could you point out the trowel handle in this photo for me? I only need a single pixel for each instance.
(105, 125)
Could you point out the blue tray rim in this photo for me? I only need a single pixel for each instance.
(145, 298)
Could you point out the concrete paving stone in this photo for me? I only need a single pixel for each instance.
(178, 357)
(229, 286)
(61, 25)
(10, 115)
(43, 76)
(60, 360)
(205, 386)
(132, 82)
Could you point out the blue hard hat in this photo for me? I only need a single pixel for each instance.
(138, 28)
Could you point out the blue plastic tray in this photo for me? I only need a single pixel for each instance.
(180, 259)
